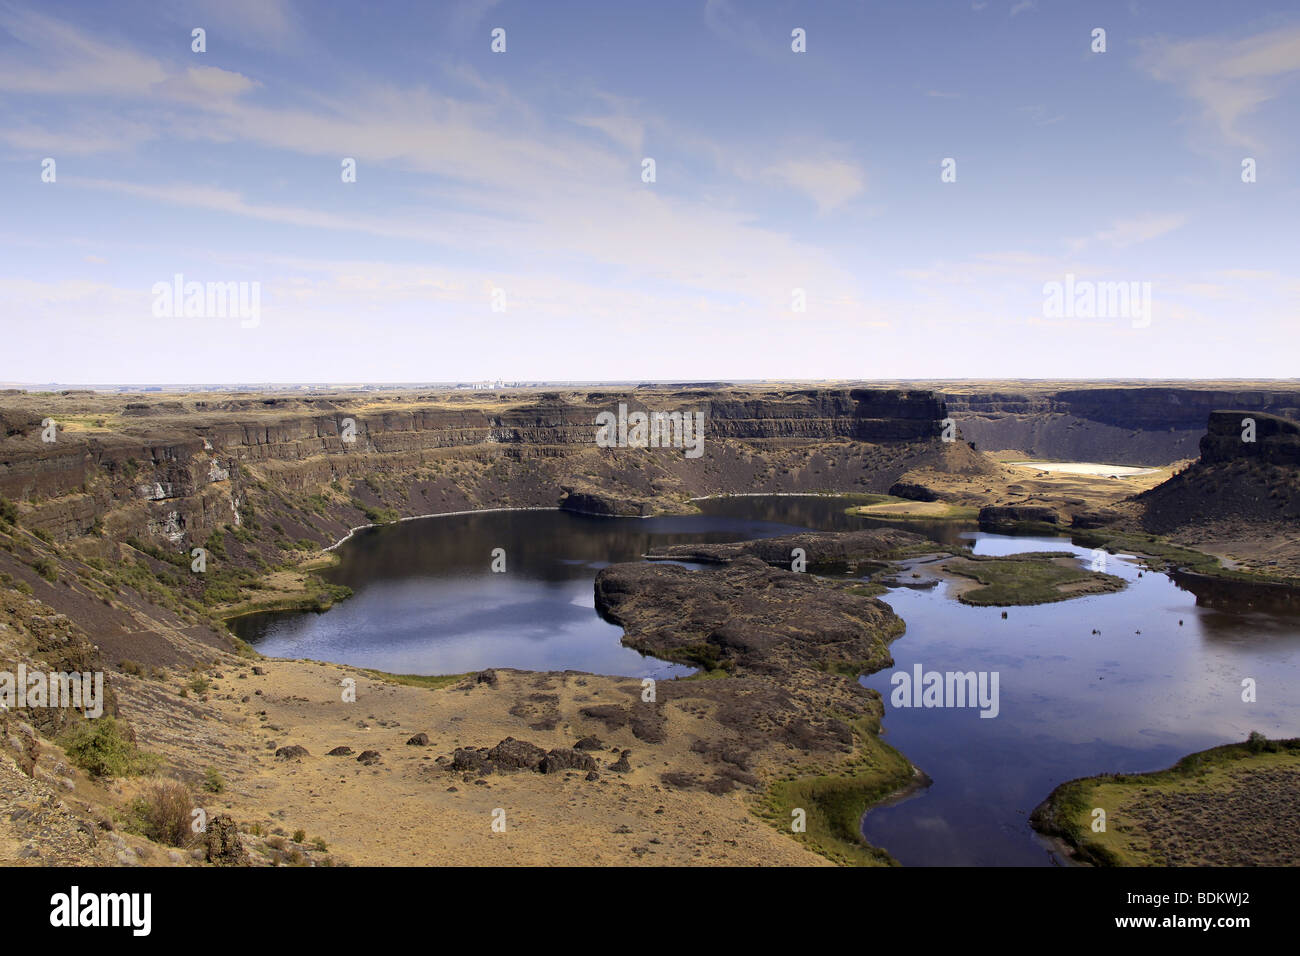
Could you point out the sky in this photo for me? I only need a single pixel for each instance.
(500, 225)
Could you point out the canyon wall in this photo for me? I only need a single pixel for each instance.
(1121, 425)
(175, 469)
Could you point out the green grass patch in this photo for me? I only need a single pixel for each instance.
(1031, 578)
(1068, 812)
(428, 681)
(835, 802)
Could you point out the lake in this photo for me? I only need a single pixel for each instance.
(1072, 703)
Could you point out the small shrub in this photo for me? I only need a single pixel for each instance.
(212, 781)
(299, 836)
(102, 749)
(1257, 743)
(164, 813)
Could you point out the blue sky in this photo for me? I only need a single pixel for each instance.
(521, 171)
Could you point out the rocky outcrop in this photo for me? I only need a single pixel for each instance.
(511, 755)
(1138, 425)
(995, 518)
(912, 491)
(1252, 437)
(821, 550)
(604, 505)
(791, 643)
(1236, 481)
(745, 615)
(222, 842)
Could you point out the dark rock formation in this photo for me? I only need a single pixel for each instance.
(292, 752)
(512, 755)
(824, 549)
(564, 759)
(745, 615)
(419, 740)
(223, 844)
(1235, 482)
(912, 491)
(621, 765)
(596, 503)
(1014, 516)
(341, 752)
(1276, 440)
(1148, 425)
(1095, 519)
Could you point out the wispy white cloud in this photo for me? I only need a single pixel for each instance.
(1129, 232)
(61, 59)
(829, 183)
(1229, 79)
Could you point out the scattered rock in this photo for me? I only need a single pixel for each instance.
(621, 765)
(223, 845)
(565, 759)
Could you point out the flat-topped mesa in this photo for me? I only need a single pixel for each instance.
(870, 415)
(1250, 436)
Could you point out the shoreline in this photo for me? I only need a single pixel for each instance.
(843, 782)
(847, 780)
(445, 514)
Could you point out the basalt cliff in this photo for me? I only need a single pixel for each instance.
(1132, 424)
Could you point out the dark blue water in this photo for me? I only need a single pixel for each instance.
(427, 602)
(1071, 703)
